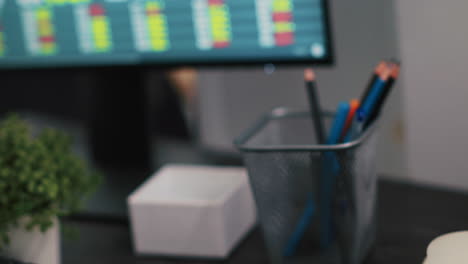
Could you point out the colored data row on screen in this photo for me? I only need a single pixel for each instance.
(220, 23)
(212, 24)
(94, 29)
(50, 3)
(283, 22)
(149, 24)
(39, 31)
(275, 22)
(65, 2)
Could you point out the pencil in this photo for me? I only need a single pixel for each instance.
(370, 103)
(377, 71)
(331, 168)
(353, 106)
(314, 104)
(395, 72)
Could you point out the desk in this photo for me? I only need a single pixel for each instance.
(409, 218)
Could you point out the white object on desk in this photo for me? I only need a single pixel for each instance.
(184, 210)
(449, 248)
(34, 246)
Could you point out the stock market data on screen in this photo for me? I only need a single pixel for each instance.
(41, 33)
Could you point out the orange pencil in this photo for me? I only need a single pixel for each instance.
(353, 106)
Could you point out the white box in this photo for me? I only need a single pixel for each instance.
(198, 211)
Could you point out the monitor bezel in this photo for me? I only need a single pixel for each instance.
(328, 60)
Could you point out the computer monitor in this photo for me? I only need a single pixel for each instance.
(56, 33)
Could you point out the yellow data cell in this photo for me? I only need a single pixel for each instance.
(158, 34)
(282, 6)
(102, 44)
(219, 19)
(79, 1)
(43, 14)
(281, 27)
(100, 26)
(221, 37)
(45, 28)
(48, 48)
(101, 41)
(220, 25)
(218, 11)
(153, 5)
(65, 2)
(220, 28)
(159, 41)
(100, 33)
(159, 44)
(156, 21)
(153, 28)
(159, 48)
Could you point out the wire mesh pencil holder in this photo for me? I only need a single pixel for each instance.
(316, 203)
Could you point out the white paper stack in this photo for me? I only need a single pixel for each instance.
(199, 211)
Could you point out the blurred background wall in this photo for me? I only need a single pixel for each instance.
(364, 32)
(433, 38)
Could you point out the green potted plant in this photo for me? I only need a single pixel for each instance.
(41, 179)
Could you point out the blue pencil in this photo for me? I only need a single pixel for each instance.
(369, 105)
(330, 169)
(378, 89)
(301, 227)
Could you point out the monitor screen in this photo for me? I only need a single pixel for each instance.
(44, 33)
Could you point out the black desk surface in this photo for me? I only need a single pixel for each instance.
(409, 218)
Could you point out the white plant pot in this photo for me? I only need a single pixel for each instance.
(35, 247)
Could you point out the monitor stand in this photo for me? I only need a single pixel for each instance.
(119, 132)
